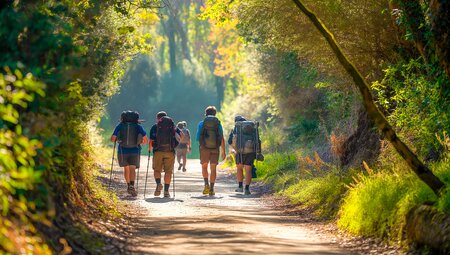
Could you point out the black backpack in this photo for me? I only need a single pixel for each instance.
(129, 136)
(165, 134)
(210, 136)
(245, 138)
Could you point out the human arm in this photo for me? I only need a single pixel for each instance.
(224, 155)
(152, 138)
(115, 133)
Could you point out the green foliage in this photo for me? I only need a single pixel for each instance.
(279, 169)
(412, 96)
(322, 193)
(377, 203)
(76, 50)
(17, 162)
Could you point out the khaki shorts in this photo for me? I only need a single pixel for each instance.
(163, 160)
(209, 156)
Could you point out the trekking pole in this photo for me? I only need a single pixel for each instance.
(173, 177)
(146, 175)
(137, 177)
(112, 163)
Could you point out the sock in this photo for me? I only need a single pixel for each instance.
(166, 187)
(247, 187)
(132, 183)
(211, 186)
(128, 185)
(240, 184)
(206, 181)
(158, 181)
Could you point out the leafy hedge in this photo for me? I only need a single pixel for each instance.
(60, 60)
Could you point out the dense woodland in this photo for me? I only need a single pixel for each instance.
(70, 67)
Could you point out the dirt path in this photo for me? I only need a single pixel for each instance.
(228, 223)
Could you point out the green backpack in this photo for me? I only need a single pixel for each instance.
(210, 137)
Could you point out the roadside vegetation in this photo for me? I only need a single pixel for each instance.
(323, 152)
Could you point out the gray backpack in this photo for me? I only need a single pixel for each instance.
(245, 137)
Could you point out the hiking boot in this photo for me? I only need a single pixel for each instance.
(129, 190)
(179, 167)
(166, 194)
(212, 193)
(133, 191)
(158, 189)
(247, 192)
(206, 190)
(240, 189)
(184, 169)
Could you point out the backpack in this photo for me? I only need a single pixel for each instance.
(186, 136)
(245, 137)
(129, 117)
(210, 136)
(128, 135)
(165, 134)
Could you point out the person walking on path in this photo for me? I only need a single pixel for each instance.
(163, 140)
(184, 146)
(246, 143)
(210, 138)
(130, 135)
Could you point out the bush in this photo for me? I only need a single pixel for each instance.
(320, 193)
(278, 169)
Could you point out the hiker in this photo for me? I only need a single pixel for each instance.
(210, 138)
(129, 134)
(244, 138)
(163, 140)
(184, 146)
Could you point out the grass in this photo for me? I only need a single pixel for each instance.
(377, 204)
(365, 202)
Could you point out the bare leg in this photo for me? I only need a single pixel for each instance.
(239, 172)
(205, 170)
(167, 177)
(132, 173)
(184, 160)
(179, 155)
(248, 174)
(156, 174)
(213, 173)
(126, 173)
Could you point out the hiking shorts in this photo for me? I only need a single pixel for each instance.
(163, 160)
(129, 160)
(245, 159)
(209, 156)
(181, 152)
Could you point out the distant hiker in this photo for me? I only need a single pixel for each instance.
(129, 134)
(184, 146)
(163, 140)
(245, 141)
(210, 137)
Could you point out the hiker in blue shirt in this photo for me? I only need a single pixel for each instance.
(210, 138)
(130, 135)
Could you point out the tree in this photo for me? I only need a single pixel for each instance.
(422, 171)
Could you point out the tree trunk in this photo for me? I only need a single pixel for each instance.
(169, 30)
(379, 119)
(440, 30)
(179, 27)
(220, 88)
(427, 226)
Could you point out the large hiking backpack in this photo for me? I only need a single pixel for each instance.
(186, 136)
(210, 136)
(245, 137)
(165, 134)
(129, 136)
